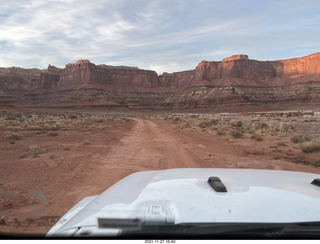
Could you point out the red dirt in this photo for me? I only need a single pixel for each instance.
(37, 191)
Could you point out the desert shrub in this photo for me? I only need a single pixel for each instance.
(52, 128)
(13, 137)
(214, 121)
(221, 133)
(73, 117)
(307, 138)
(236, 134)
(67, 148)
(310, 146)
(282, 144)
(203, 124)
(292, 127)
(316, 163)
(23, 155)
(284, 128)
(237, 124)
(99, 120)
(300, 138)
(14, 116)
(260, 126)
(257, 137)
(57, 127)
(310, 120)
(206, 124)
(251, 129)
(34, 151)
(128, 120)
(52, 134)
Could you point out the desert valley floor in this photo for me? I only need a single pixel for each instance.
(50, 160)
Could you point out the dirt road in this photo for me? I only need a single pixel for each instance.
(151, 144)
(156, 144)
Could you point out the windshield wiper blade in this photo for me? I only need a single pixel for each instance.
(308, 229)
(252, 230)
(235, 230)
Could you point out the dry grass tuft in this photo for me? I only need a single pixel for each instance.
(311, 146)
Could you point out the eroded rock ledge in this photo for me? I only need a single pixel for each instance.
(234, 80)
(236, 57)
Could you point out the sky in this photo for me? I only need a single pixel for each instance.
(160, 35)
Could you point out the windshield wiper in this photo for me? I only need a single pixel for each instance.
(229, 230)
(308, 229)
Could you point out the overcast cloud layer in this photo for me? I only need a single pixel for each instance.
(161, 35)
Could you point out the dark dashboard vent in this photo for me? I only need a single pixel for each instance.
(216, 184)
(316, 182)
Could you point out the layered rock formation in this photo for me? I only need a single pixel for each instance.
(233, 81)
(239, 80)
(86, 75)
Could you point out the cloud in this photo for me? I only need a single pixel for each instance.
(163, 35)
(60, 27)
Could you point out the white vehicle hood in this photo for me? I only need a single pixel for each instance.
(184, 196)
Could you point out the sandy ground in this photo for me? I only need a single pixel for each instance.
(43, 175)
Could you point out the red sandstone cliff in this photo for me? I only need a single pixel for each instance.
(240, 70)
(236, 79)
(297, 67)
(15, 82)
(86, 75)
(246, 72)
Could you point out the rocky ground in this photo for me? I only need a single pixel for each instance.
(50, 160)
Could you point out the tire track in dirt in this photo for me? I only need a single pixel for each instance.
(148, 148)
(155, 144)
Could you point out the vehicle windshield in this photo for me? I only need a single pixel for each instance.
(175, 112)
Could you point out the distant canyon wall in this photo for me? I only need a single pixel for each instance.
(234, 80)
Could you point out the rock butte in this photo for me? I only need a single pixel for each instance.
(236, 80)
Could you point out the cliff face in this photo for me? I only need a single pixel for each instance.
(234, 80)
(246, 72)
(178, 80)
(297, 67)
(49, 78)
(76, 75)
(240, 80)
(16, 82)
(236, 72)
(85, 75)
